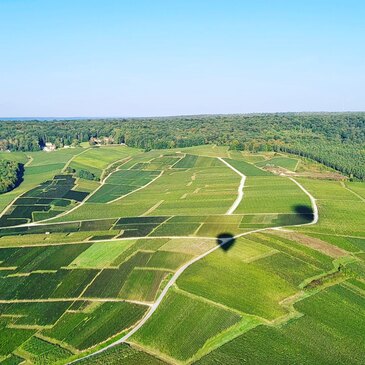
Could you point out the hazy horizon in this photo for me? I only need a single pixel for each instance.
(58, 118)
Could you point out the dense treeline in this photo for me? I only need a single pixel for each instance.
(335, 139)
(11, 173)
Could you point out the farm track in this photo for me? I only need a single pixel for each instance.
(223, 241)
(240, 187)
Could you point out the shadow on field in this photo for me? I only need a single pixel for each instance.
(226, 241)
(305, 212)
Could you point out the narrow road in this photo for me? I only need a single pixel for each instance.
(240, 187)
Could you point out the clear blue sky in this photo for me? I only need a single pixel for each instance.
(169, 57)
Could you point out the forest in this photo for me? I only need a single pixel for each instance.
(11, 173)
(334, 139)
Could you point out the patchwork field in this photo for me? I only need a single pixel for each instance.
(152, 254)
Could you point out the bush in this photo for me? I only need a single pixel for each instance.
(87, 175)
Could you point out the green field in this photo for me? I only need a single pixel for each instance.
(101, 254)
(95, 324)
(324, 334)
(198, 322)
(80, 281)
(285, 162)
(128, 354)
(121, 183)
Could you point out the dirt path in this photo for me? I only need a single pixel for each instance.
(240, 187)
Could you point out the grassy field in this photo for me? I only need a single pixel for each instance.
(39, 351)
(272, 194)
(121, 183)
(284, 162)
(95, 324)
(198, 322)
(341, 212)
(128, 354)
(86, 278)
(47, 200)
(142, 284)
(195, 191)
(95, 160)
(330, 331)
(101, 254)
(40, 166)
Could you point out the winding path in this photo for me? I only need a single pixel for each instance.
(223, 241)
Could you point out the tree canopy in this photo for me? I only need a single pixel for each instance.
(11, 173)
(334, 139)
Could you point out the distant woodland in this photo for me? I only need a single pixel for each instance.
(334, 139)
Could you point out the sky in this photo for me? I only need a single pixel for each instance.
(104, 58)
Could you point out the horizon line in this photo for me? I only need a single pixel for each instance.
(51, 118)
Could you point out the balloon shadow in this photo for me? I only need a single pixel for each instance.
(305, 212)
(225, 241)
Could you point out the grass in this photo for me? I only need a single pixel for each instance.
(198, 322)
(188, 246)
(12, 360)
(34, 313)
(97, 159)
(251, 281)
(187, 162)
(168, 260)
(121, 183)
(42, 166)
(101, 254)
(48, 199)
(129, 354)
(340, 211)
(272, 194)
(42, 352)
(246, 168)
(199, 191)
(11, 338)
(86, 329)
(261, 284)
(331, 331)
(142, 285)
(40, 258)
(109, 283)
(59, 284)
(285, 162)
(348, 243)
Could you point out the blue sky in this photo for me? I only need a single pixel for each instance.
(170, 57)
